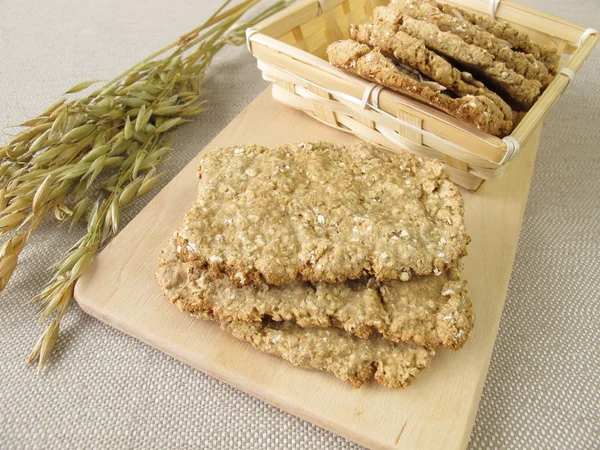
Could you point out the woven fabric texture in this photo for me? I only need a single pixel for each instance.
(105, 389)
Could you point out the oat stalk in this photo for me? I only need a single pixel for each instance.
(85, 159)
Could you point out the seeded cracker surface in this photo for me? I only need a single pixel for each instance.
(321, 213)
(355, 360)
(429, 311)
(413, 52)
(522, 63)
(333, 350)
(521, 89)
(503, 30)
(480, 110)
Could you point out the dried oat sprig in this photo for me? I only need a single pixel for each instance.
(84, 160)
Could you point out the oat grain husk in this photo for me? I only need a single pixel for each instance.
(84, 159)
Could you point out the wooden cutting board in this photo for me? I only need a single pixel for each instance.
(437, 411)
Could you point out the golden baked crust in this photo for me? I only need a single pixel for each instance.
(522, 63)
(503, 30)
(321, 213)
(522, 90)
(429, 311)
(333, 350)
(414, 53)
(355, 360)
(372, 65)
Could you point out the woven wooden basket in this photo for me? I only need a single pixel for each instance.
(290, 48)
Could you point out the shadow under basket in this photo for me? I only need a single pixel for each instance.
(290, 48)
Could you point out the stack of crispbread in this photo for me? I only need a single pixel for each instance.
(343, 259)
(469, 66)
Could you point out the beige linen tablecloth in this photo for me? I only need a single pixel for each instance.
(104, 389)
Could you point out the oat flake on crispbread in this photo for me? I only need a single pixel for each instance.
(321, 213)
(348, 357)
(429, 310)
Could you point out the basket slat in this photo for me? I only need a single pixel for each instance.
(325, 114)
(409, 133)
(456, 163)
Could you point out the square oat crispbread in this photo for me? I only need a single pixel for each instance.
(516, 39)
(521, 90)
(480, 110)
(321, 213)
(352, 359)
(413, 53)
(430, 310)
(348, 357)
(474, 69)
(523, 63)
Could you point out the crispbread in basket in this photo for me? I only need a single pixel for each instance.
(290, 48)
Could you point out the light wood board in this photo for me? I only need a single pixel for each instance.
(437, 411)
